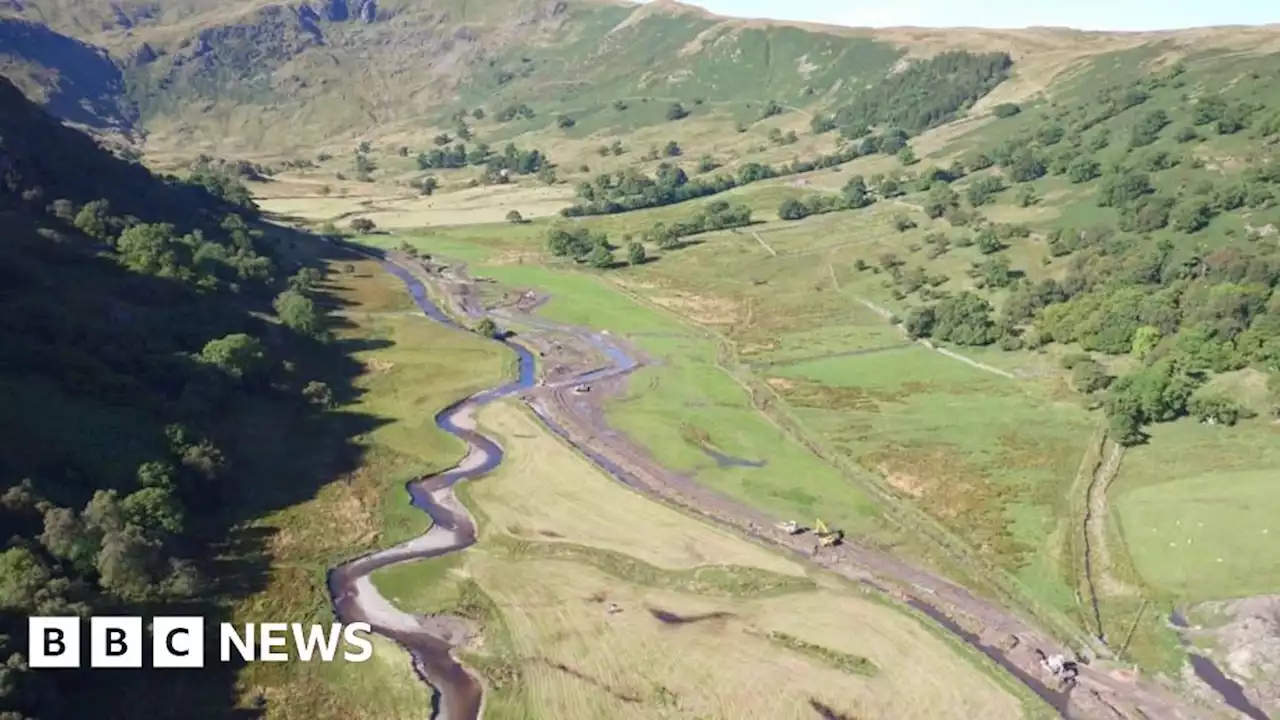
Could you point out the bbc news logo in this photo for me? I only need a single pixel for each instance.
(178, 642)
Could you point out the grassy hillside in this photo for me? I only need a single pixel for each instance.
(266, 78)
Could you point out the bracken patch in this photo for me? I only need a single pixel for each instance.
(947, 487)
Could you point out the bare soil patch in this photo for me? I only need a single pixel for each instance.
(908, 484)
(781, 383)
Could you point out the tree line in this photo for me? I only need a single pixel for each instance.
(629, 189)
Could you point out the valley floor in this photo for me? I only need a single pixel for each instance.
(776, 385)
(609, 605)
(504, 665)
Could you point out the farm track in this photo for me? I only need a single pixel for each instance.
(831, 356)
(887, 315)
(579, 418)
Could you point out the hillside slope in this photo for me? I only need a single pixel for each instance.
(254, 75)
(144, 327)
(74, 80)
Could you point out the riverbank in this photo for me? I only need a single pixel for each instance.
(411, 367)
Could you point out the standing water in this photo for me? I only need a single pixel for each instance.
(1229, 690)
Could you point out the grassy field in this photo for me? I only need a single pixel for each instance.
(1188, 521)
(407, 209)
(413, 369)
(687, 394)
(539, 495)
(687, 638)
(1206, 535)
(1199, 520)
(986, 455)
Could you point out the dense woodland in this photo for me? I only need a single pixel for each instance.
(160, 359)
(926, 94)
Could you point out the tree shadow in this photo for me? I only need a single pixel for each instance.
(667, 617)
(826, 712)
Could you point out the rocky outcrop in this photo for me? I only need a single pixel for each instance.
(89, 89)
(309, 22)
(336, 11)
(122, 19)
(340, 11)
(144, 55)
(346, 10)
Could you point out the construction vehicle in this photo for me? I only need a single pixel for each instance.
(1062, 670)
(790, 527)
(826, 536)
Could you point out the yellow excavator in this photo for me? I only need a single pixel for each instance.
(826, 536)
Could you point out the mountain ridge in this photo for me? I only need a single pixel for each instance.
(258, 76)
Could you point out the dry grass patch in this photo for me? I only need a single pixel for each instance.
(516, 257)
(950, 489)
(399, 210)
(388, 688)
(374, 365)
(908, 484)
(811, 394)
(700, 309)
(582, 661)
(547, 491)
(367, 288)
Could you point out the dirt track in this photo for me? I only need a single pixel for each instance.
(581, 355)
